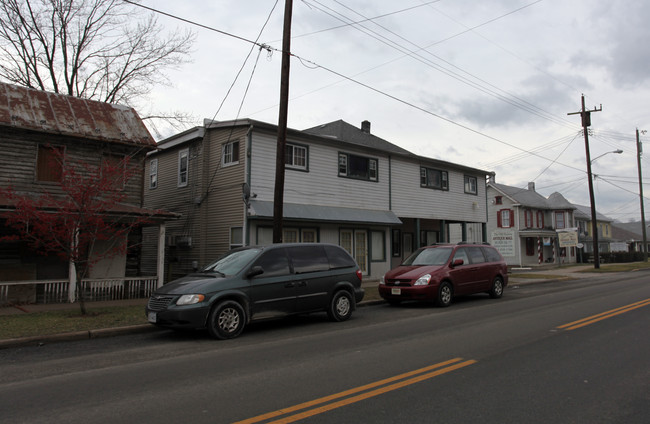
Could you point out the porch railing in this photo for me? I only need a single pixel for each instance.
(56, 291)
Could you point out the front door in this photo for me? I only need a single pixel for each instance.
(356, 243)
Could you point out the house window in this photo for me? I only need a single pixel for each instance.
(236, 237)
(308, 235)
(498, 200)
(359, 167)
(153, 173)
(559, 220)
(540, 219)
(471, 185)
(230, 153)
(433, 178)
(290, 235)
(529, 218)
(378, 246)
(505, 218)
(296, 157)
(114, 167)
(48, 163)
(183, 167)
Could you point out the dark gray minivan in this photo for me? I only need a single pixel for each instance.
(260, 282)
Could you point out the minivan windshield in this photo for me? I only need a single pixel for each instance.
(429, 256)
(232, 262)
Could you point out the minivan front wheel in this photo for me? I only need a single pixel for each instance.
(445, 294)
(226, 320)
(497, 288)
(341, 306)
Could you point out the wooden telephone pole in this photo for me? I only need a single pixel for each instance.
(278, 198)
(639, 150)
(586, 122)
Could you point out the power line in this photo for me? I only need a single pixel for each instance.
(481, 85)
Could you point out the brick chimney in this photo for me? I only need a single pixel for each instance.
(365, 127)
(531, 186)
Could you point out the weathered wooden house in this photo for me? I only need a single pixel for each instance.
(34, 126)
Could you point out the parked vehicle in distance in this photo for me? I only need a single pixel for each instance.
(260, 282)
(438, 273)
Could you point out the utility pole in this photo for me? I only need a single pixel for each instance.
(639, 150)
(586, 122)
(278, 198)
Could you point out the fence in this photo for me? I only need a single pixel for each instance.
(56, 291)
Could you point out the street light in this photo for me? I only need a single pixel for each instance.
(594, 226)
(618, 151)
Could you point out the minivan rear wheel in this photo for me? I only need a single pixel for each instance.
(497, 288)
(445, 294)
(341, 306)
(226, 320)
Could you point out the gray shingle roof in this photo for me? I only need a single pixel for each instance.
(343, 131)
(523, 196)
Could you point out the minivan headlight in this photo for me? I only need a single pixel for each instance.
(423, 281)
(190, 299)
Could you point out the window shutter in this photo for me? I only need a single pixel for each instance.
(499, 224)
(512, 217)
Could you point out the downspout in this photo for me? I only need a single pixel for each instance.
(487, 213)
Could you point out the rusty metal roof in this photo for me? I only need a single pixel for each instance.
(43, 111)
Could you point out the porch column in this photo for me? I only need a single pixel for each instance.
(161, 255)
(417, 233)
(72, 281)
(443, 231)
(463, 228)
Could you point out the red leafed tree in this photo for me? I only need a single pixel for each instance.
(70, 219)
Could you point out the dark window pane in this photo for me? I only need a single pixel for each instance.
(308, 259)
(274, 263)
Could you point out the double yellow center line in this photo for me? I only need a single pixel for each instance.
(328, 403)
(604, 315)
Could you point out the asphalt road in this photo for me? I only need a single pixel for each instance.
(512, 360)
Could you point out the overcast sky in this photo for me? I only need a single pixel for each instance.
(486, 84)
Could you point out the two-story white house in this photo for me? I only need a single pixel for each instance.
(343, 185)
(523, 225)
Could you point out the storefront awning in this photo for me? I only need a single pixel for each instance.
(292, 211)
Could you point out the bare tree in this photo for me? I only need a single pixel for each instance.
(105, 50)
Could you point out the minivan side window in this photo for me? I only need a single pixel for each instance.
(338, 257)
(274, 263)
(475, 255)
(491, 254)
(308, 259)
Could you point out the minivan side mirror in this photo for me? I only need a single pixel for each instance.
(254, 271)
(457, 262)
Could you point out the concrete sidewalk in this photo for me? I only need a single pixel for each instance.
(517, 277)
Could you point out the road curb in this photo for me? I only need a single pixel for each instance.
(75, 335)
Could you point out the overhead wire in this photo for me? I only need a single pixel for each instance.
(367, 86)
(475, 82)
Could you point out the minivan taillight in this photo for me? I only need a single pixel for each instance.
(360, 275)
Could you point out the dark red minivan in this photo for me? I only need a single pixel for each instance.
(438, 273)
